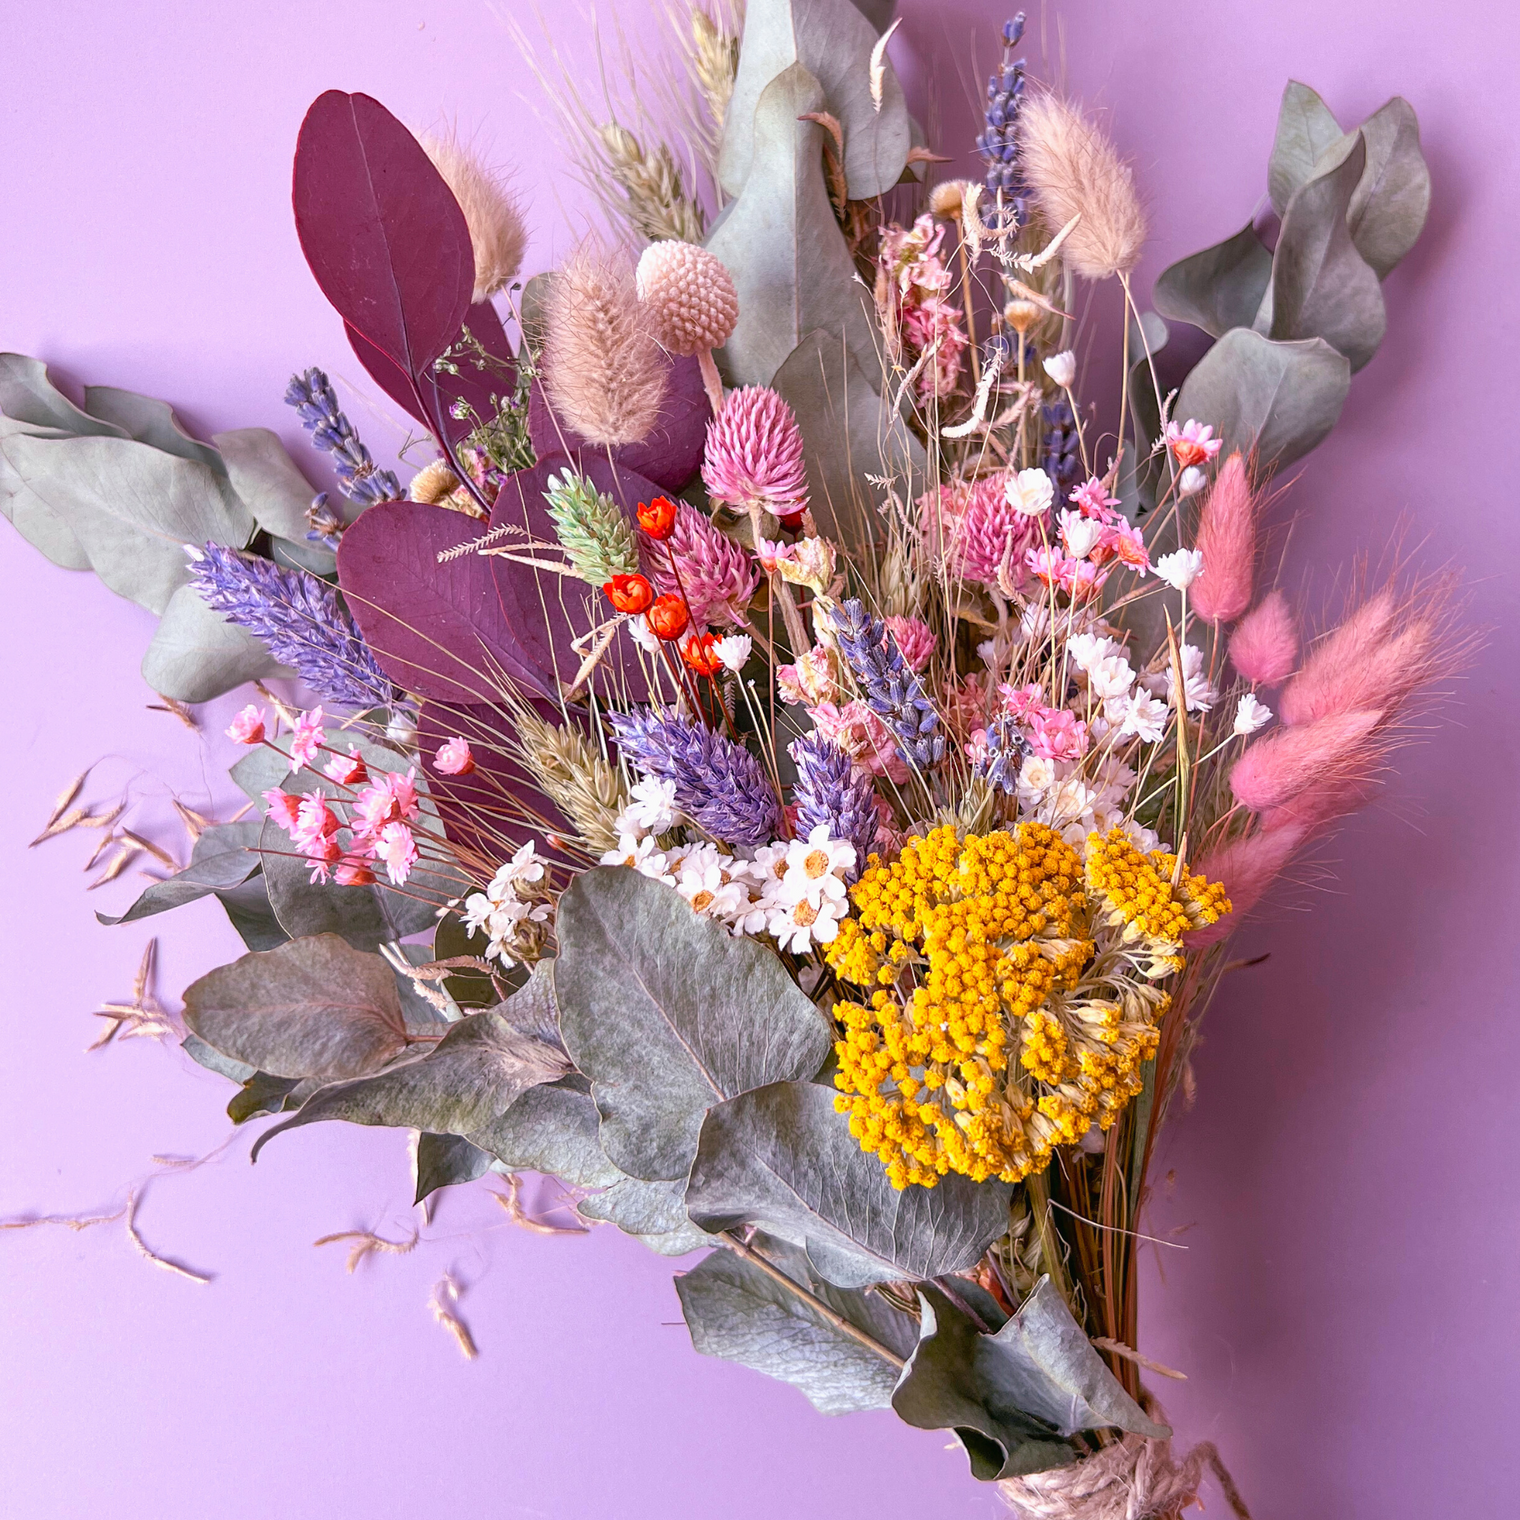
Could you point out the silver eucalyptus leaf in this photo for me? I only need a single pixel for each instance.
(443, 1161)
(30, 515)
(1279, 398)
(1218, 288)
(783, 1158)
(667, 1014)
(152, 422)
(652, 1212)
(1306, 127)
(832, 41)
(196, 654)
(225, 856)
(267, 479)
(551, 1129)
(28, 395)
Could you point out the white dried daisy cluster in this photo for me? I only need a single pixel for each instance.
(511, 910)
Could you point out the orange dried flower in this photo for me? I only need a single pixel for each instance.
(668, 616)
(658, 517)
(629, 593)
(700, 651)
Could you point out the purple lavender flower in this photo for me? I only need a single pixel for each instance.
(300, 620)
(1061, 457)
(998, 142)
(1006, 751)
(316, 404)
(833, 790)
(891, 689)
(719, 784)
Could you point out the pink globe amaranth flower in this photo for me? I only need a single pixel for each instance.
(1226, 538)
(862, 735)
(992, 539)
(347, 770)
(454, 758)
(916, 641)
(927, 323)
(754, 455)
(308, 739)
(248, 726)
(398, 849)
(712, 573)
(1058, 734)
(1264, 646)
(322, 853)
(282, 808)
(353, 871)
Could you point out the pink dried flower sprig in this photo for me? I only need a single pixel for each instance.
(698, 563)
(754, 457)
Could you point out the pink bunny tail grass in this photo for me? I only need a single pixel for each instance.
(498, 233)
(754, 453)
(1264, 646)
(1247, 867)
(1227, 540)
(1315, 808)
(1276, 769)
(1379, 655)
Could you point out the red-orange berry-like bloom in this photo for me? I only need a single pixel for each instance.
(700, 651)
(629, 593)
(668, 617)
(658, 517)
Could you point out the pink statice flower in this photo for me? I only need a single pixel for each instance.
(1058, 734)
(398, 849)
(347, 770)
(1192, 443)
(915, 640)
(282, 808)
(1091, 499)
(248, 726)
(454, 758)
(353, 871)
(307, 740)
(862, 735)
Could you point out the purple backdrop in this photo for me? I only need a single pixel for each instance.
(1345, 1304)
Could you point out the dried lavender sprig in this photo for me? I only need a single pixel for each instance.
(1062, 462)
(998, 141)
(300, 621)
(1006, 751)
(316, 404)
(892, 691)
(831, 789)
(719, 784)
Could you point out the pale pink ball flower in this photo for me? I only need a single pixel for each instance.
(454, 758)
(1227, 540)
(308, 739)
(689, 295)
(1264, 645)
(915, 640)
(754, 456)
(248, 726)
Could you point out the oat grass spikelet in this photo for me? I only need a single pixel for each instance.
(602, 367)
(491, 211)
(1074, 170)
(658, 205)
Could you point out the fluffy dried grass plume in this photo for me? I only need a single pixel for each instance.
(1073, 169)
(602, 367)
(491, 211)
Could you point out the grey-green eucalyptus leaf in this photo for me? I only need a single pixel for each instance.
(783, 1158)
(196, 654)
(446, 1160)
(224, 857)
(736, 1311)
(249, 912)
(790, 263)
(31, 516)
(263, 1094)
(29, 396)
(551, 1129)
(152, 422)
(315, 1007)
(653, 1212)
(480, 1067)
(266, 478)
(850, 431)
(1306, 127)
(832, 40)
(668, 1014)
(1038, 1378)
(1321, 286)
(213, 1060)
(1280, 398)
(304, 907)
(1219, 288)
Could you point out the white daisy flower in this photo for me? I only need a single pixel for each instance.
(1180, 568)
(708, 888)
(1251, 714)
(651, 807)
(803, 924)
(638, 851)
(813, 867)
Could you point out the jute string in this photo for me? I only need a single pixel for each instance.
(1137, 1479)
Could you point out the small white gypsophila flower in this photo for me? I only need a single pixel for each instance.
(802, 924)
(1062, 368)
(651, 806)
(1180, 568)
(1080, 534)
(733, 649)
(1251, 714)
(1030, 493)
(813, 866)
(523, 866)
(1191, 481)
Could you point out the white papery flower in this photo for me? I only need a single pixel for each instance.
(734, 650)
(1080, 534)
(710, 889)
(1110, 677)
(1180, 568)
(803, 924)
(643, 635)
(639, 851)
(1250, 714)
(1142, 715)
(1036, 777)
(1199, 692)
(1144, 838)
(1087, 649)
(1062, 368)
(814, 866)
(1030, 493)
(651, 807)
(1191, 481)
(523, 866)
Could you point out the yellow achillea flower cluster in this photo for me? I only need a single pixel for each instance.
(1007, 995)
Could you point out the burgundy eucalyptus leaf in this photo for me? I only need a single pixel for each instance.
(438, 630)
(381, 230)
(481, 384)
(669, 456)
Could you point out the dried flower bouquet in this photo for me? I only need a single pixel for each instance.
(790, 761)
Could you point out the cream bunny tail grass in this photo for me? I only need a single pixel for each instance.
(491, 211)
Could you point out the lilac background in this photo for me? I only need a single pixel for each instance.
(1346, 1304)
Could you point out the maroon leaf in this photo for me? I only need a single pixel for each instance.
(479, 379)
(381, 230)
(668, 457)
